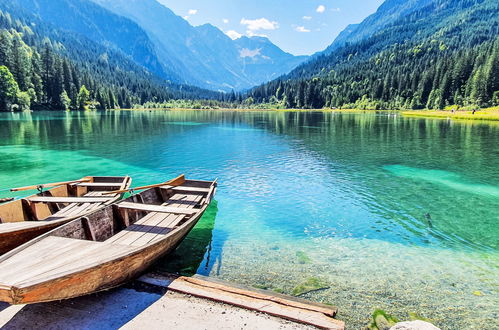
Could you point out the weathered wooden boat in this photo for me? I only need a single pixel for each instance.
(106, 248)
(24, 219)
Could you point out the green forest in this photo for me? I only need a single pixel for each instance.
(443, 55)
(43, 68)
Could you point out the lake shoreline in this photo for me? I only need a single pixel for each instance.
(489, 114)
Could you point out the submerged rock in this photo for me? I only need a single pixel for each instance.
(414, 325)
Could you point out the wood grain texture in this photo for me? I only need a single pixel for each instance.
(23, 220)
(317, 315)
(98, 252)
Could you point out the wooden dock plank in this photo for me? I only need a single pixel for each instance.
(317, 315)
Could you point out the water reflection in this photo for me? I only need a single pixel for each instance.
(195, 254)
(296, 174)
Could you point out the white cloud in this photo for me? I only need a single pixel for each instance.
(226, 21)
(192, 11)
(253, 34)
(245, 52)
(307, 18)
(336, 10)
(233, 34)
(186, 17)
(321, 9)
(259, 24)
(302, 29)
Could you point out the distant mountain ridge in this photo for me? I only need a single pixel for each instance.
(204, 55)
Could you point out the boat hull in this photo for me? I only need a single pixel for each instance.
(99, 278)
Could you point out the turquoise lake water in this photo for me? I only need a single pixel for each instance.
(383, 211)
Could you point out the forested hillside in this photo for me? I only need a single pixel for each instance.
(44, 67)
(444, 53)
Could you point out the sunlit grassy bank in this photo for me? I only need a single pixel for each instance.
(485, 114)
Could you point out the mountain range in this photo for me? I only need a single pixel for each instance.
(408, 54)
(167, 45)
(204, 54)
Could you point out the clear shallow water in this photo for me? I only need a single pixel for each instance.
(386, 212)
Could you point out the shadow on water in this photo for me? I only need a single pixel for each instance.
(196, 254)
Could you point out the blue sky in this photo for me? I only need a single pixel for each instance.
(297, 26)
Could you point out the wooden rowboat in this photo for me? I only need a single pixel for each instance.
(106, 248)
(24, 219)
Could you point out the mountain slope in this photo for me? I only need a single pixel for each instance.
(204, 55)
(50, 66)
(388, 13)
(433, 54)
(100, 25)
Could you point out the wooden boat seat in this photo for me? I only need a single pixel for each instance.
(66, 255)
(156, 224)
(84, 199)
(155, 208)
(97, 184)
(74, 208)
(188, 189)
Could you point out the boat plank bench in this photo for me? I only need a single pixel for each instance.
(97, 184)
(187, 189)
(156, 224)
(156, 208)
(48, 199)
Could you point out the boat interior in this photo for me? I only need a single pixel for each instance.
(63, 201)
(114, 231)
(142, 218)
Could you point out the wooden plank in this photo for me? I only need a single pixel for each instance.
(154, 236)
(268, 303)
(174, 182)
(154, 224)
(162, 232)
(162, 229)
(156, 208)
(40, 199)
(73, 251)
(33, 261)
(185, 188)
(136, 230)
(183, 200)
(30, 212)
(88, 228)
(97, 184)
